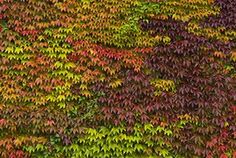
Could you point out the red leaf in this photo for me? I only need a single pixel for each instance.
(234, 154)
(223, 156)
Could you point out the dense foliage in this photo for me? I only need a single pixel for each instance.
(118, 78)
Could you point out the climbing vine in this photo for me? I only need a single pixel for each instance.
(118, 78)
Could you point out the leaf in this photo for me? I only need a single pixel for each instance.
(69, 65)
(138, 147)
(164, 152)
(86, 93)
(168, 132)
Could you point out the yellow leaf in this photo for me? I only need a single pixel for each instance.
(86, 93)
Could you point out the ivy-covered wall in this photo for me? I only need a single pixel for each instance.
(117, 78)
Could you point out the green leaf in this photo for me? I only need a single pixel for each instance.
(164, 152)
(69, 65)
(168, 132)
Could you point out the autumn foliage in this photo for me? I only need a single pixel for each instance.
(117, 78)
